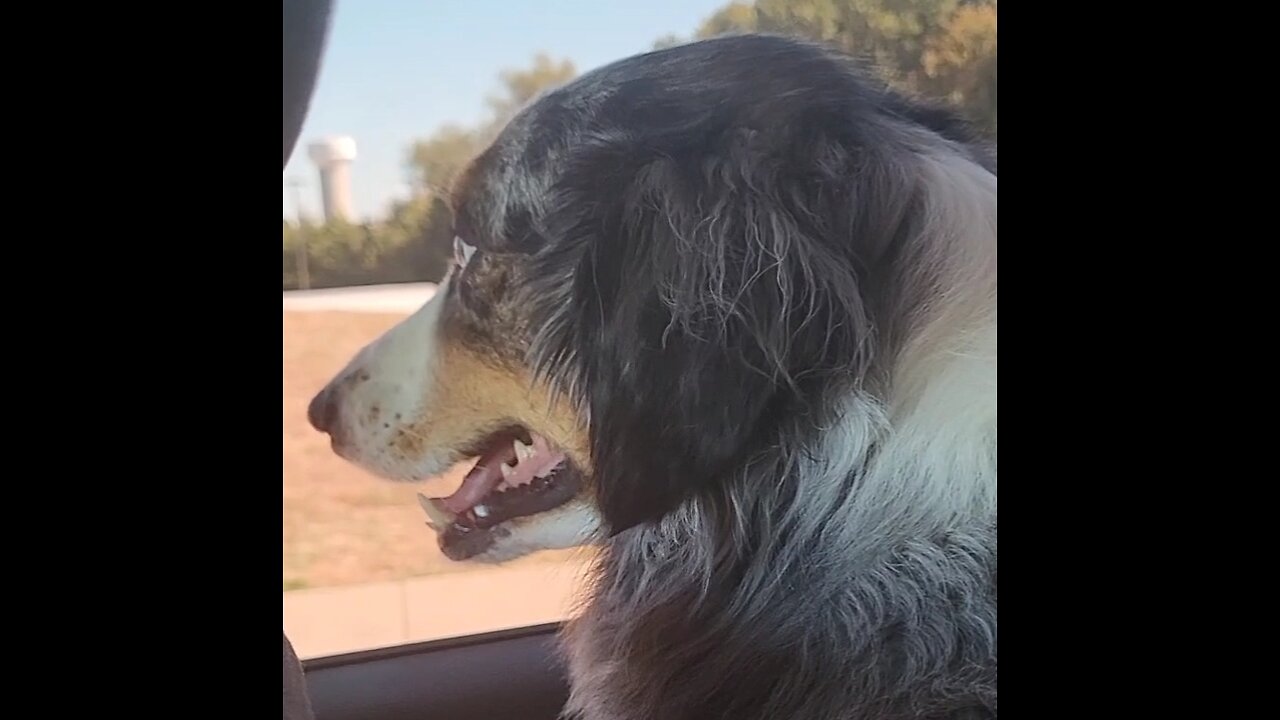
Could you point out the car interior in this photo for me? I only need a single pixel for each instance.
(501, 675)
(506, 675)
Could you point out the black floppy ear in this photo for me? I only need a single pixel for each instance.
(712, 297)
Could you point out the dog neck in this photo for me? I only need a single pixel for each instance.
(841, 554)
(847, 571)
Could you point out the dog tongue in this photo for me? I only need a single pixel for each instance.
(482, 479)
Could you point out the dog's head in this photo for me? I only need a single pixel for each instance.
(659, 268)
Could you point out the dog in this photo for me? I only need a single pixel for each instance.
(726, 311)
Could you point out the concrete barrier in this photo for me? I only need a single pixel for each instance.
(326, 621)
(402, 298)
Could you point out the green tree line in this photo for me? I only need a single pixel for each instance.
(944, 49)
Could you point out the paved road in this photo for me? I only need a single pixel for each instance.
(401, 298)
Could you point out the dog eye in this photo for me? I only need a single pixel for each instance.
(462, 252)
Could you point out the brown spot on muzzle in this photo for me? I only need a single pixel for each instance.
(478, 394)
(406, 442)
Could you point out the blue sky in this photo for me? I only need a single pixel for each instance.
(395, 70)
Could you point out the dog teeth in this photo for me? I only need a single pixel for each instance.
(523, 452)
(481, 511)
(437, 516)
(548, 472)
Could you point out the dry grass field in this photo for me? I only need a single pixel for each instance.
(342, 525)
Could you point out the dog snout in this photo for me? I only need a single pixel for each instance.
(323, 410)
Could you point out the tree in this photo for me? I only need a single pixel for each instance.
(892, 34)
(736, 17)
(960, 62)
(944, 48)
(667, 41)
(423, 226)
(436, 161)
(421, 230)
(520, 86)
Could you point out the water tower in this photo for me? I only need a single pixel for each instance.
(333, 156)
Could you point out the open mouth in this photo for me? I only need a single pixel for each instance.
(518, 473)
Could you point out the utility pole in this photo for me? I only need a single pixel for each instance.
(300, 250)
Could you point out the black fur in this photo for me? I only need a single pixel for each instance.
(693, 346)
(725, 243)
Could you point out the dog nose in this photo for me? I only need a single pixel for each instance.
(323, 411)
